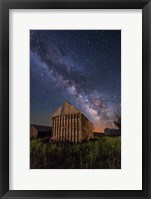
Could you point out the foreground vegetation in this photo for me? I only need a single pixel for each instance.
(101, 153)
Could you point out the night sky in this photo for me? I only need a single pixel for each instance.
(80, 66)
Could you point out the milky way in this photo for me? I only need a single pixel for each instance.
(83, 67)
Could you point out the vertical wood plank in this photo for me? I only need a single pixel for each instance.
(80, 127)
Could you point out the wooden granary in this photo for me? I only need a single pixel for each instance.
(69, 124)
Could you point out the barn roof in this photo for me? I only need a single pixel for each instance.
(42, 128)
(67, 108)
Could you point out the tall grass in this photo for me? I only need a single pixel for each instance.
(103, 153)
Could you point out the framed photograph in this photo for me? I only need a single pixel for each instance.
(75, 99)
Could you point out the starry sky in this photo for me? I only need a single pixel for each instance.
(80, 66)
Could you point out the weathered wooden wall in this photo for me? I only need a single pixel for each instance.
(33, 132)
(67, 127)
(70, 124)
(87, 128)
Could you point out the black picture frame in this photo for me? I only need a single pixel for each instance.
(5, 5)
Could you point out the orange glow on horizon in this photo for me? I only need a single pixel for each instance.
(99, 129)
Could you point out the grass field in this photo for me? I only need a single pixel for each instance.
(101, 153)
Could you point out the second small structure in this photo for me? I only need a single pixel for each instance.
(69, 124)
